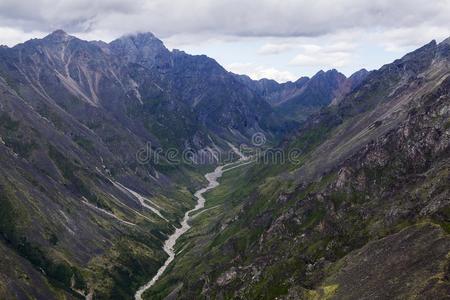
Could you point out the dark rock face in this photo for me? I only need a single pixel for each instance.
(383, 267)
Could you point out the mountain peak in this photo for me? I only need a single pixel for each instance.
(58, 35)
(140, 39)
(145, 35)
(361, 73)
(319, 73)
(328, 74)
(143, 47)
(59, 32)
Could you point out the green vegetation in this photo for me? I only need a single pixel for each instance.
(7, 123)
(84, 143)
(72, 173)
(447, 125)
(171, 128)
(10, 81)
(259, 213)
(58, 271)
(50, 115)
(16, 137)
(23, 149)
(8, 215)
(126, 266)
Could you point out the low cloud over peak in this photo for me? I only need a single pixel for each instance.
(271, 35)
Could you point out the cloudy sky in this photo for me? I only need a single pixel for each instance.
(279, 39)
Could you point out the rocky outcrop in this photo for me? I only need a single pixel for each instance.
(403, 265)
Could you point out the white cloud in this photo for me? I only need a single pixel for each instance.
(312, 34)
(408, 38)
(271, 49)
(322, 61)
(12, 36)
(336, 55)
(223, 17)
(257, 72)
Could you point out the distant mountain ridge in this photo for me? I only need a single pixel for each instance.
(297, 100)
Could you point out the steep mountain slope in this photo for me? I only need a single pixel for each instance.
(85, 203)
(60, 206)
(362, 211)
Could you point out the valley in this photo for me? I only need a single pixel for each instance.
(170, 243)
(342, 192)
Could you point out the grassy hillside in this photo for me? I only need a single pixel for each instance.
(359, 213)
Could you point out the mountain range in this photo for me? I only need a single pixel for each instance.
(363, 212)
